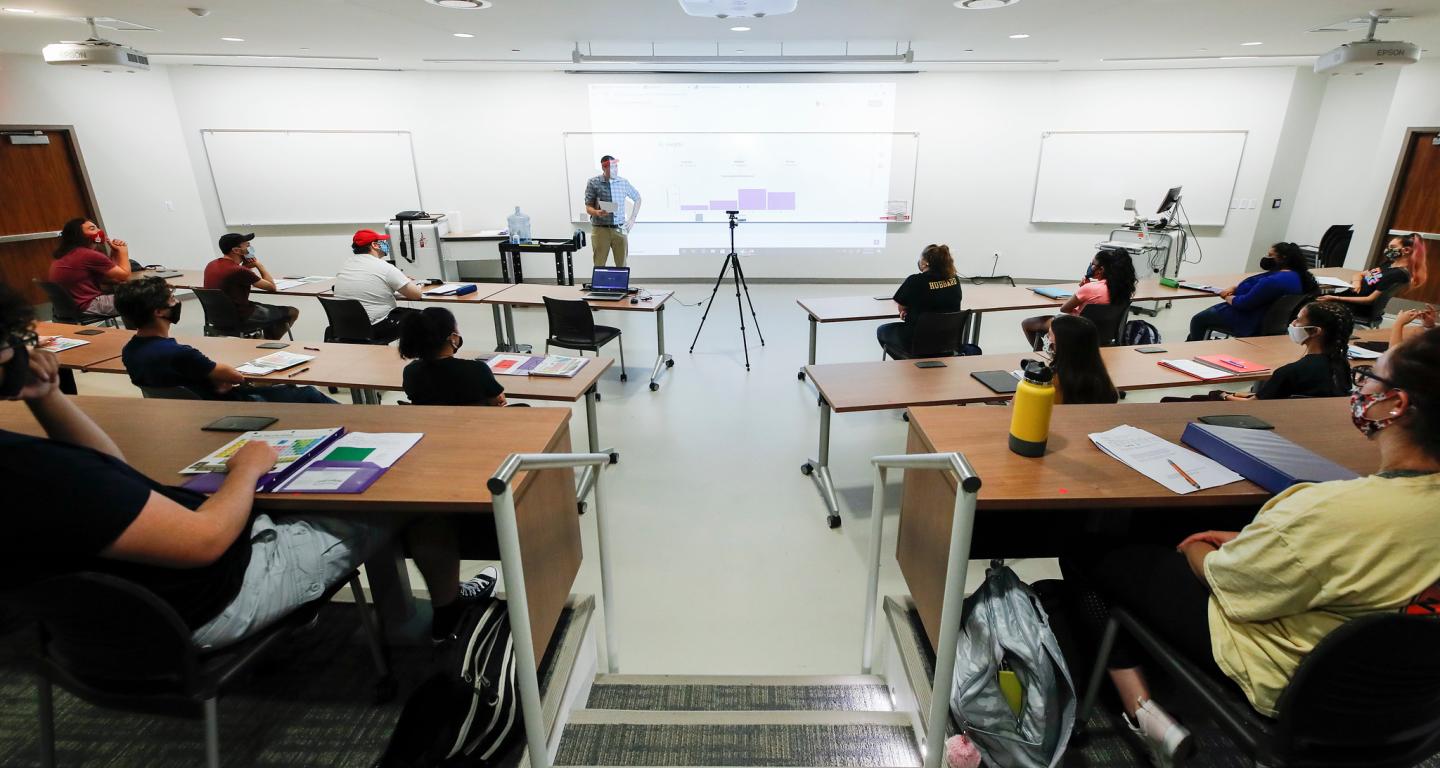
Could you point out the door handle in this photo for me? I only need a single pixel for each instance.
(28, 236)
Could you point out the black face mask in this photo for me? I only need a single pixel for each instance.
(16, 371)
(1268, 263)
(174, 313)
(458, 342)
(1391, 254)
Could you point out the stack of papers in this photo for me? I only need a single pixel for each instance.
(1198, 370)
(536, 365)
(288, 283)
(1157, 459)
(60, 343)
(268, 364)
(352, 463)
(447, 289)
(1332, 282)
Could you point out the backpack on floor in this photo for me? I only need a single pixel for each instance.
(466, 715)
(1138, 332)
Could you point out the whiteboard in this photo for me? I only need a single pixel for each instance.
(1085, 177)
(311, 177)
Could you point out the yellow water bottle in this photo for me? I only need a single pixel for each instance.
(1030, 414)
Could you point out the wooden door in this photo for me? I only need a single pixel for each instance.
(44, 187)
(1414, 205)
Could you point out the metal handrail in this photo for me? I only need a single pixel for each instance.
(961, 528)
(518, 604)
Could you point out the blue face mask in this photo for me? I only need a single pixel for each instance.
(384, 246)
(1090, 272)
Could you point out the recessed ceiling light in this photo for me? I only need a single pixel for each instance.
(514, 50)
(18, 10)
(739, 29)
(463, 34)
(233, 39)
(1018, 37)
(983, 5)
(462, 5)
(1254, 43)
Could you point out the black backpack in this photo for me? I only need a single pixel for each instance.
(1139, 332)
(466, 715)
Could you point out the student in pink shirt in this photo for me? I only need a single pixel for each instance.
(1110, 279)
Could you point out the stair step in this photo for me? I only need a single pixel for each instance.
(692, 693)
(788, 739)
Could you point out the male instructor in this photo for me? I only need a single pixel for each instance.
(605, 202)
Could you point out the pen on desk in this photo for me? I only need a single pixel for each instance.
(1184, 474)
(313, 349)
(306, 368)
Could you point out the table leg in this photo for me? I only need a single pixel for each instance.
(813, 326)
(819, 469)
(662, 361)
(569, 267)
(559, 270)
(390, 588)
(972, 331)
(504, 264)
(512, 343)
(587, 476)
(501, 344)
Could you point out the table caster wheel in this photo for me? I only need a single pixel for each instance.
(597, 395)
(624, 378)
(654, 387)
(669, 363)
(833, 521)
(905, 417)
(614, 457)
(806, 468)
(800, 376)
(580, 507)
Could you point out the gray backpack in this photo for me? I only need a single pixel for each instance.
(1004, 627)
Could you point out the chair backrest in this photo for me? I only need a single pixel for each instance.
(1369, 691)
(62, 305)
(109, 634)
(937, 334)
(1109, 319)
(220, 311)
(1334, 244)
(570, 319)
(1281, 312)
(168, 393)
(348, 320)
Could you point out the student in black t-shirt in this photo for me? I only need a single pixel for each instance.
(1403, 264)
(72, 504)
(153, 359)
(935, 288)
(431, 338)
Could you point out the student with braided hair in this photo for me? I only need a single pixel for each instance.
(1324, 330)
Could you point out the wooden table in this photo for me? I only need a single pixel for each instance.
(195, 278)
(534, 295)
(891, 384)
(444, 473)
(99, 347)
(1075, 479)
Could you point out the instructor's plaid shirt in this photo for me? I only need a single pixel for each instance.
(611, 191)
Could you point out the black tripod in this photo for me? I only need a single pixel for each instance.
(733, 261)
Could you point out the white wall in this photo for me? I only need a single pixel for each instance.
(129, 136)
(980, 137)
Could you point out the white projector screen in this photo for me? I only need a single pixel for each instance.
(1085, 177)
(311, 177)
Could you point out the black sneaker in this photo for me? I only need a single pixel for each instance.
(481, 587)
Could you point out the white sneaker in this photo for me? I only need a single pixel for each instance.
(1167, 742)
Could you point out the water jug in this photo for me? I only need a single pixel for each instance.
(1030, 413)
(519, 226)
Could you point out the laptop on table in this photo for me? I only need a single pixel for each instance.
(609, 284)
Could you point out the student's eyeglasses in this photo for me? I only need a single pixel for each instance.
(1359, 375)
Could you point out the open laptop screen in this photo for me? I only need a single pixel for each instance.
(610, 279)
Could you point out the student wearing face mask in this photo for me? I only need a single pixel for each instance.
(1110, 279)
(1080, 374)
(935, 288)
(369, 278)
(1252, 604)
(1285, 273)
(83, 270)
(431, 339)
(235, 272)
(153, 359)
(1402, 264)
(1324, 332)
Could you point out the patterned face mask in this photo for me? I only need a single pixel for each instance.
(1360, 402)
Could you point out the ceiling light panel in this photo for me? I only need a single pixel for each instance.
(983, 5)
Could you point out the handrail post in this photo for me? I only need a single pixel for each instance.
(872, 589)
(507, 532)
(607, 589)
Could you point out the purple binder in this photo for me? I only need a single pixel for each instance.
(211, 481)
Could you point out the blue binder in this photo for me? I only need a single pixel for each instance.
(1262, 457)
(1052, 292)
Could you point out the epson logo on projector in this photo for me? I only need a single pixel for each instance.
(1365, 55)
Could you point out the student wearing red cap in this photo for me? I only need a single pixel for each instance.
(369, 278)
(235, 272)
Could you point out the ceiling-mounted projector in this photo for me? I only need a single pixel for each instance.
(725, 9)
(96, 52)
(1365, 55)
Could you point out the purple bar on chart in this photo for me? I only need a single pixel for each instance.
(752, 200)
(694, 207)
(724, 205)
(780, 201)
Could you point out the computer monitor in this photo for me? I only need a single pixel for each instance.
(1171, 198)
(610, 279)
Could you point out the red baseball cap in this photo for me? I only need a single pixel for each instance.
(367, 236)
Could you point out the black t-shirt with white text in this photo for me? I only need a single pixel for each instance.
(1384, 279)
(927, 292)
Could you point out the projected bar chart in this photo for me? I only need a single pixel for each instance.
(749, 200)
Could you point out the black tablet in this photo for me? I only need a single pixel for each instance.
(239, 424)
(1236, 420)
(929, 364)
(89, 332)
(272, 345)
(1000, 382)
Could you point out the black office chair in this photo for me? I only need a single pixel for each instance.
(572, 326)
(168, 393)
(1368, 695)
(64, 310)
(1109, 319)
(1281, 312)
(349, 323)
(116, 644)
(222, 318)
(1332, 248)
(1373, 314)
(936, 334)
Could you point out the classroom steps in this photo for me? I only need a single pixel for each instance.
(730, 720)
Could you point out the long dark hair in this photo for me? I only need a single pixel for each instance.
(1119, 274)
(1415, 367)
(1289, 256)
(1336, 323)
(938, 258)
(1079, 371)
(423, 334)
(72, 236)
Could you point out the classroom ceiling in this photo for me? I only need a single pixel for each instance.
(540, 34)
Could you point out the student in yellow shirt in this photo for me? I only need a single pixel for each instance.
(1252, 604)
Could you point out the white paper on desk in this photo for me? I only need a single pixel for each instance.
(60, 343)
(490, 233)
(271, 363)
(445, 289)
(1361, 353)
(1150, 455)
(1333, 282)
(382, 449)
(1198, 370)
(605, 205)
(316, 278)
(319, 480)
(287, 284)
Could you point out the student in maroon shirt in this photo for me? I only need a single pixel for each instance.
(235, 273)
(82, 269)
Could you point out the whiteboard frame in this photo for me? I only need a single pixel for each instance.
(220, 202)
(914, 177)
(1040, 160)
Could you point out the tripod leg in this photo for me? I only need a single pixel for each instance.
(713, 291)
(740, 308)
(746, 285)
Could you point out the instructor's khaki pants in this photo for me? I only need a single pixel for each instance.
(603, 240)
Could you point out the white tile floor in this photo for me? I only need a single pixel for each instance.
(723, 561)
